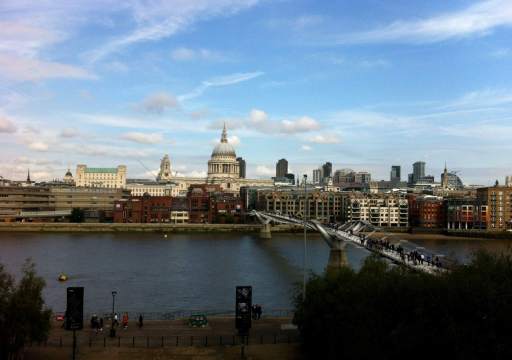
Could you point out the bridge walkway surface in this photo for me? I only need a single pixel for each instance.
(400, 252)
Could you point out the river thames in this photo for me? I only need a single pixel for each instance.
(183, 272)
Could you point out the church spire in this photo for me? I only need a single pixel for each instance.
(28, 176)
(224, 137)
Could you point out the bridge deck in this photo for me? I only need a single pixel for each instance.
(361, 240)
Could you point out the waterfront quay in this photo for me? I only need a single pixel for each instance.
(269, 338)
(140, 227)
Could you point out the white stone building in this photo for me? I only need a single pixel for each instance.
(114, 178)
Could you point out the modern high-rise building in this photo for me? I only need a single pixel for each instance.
(327, 169)
(317, 176)
(281, 168)
(395, 174)
(418, 170)
(241, 167)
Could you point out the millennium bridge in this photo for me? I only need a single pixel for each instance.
(358, 233)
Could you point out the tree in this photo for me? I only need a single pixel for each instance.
(77, 215)
(23, 315)
(387, 312)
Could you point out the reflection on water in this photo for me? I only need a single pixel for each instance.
(183, 271)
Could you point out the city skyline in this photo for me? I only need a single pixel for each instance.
(364, 86)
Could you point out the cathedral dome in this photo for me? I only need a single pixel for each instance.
(224, 148)
(223, 163)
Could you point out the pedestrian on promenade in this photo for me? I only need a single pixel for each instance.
(141, 319)
(258, 311)
(125, 321)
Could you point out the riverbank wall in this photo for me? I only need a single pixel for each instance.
(163, 228)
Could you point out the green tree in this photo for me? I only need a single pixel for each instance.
(77, 215)
(23, 315)
(390, 312)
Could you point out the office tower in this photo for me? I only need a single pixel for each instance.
(317, 176)
(418, 170)
(281, 168)
(395, 174)
(327, 170)
(241, 167)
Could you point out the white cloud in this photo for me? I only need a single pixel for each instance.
(306, 148)
(16, 68)
(257, 117)
(6, 125)
(478, 19)
(325, 139)
(143, 138)
(302, 124)
(69, 133)
(188, 54)
(219, 81)
(26, 39)
(234, 140)
(259, 120)
(263, 170)
(158, 20)
(482, 98)
(159, 102)
(38, 146)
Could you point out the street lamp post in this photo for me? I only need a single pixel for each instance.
(112, 329)
(306, 208)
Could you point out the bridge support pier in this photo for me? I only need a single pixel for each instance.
(265, 232)
(337, 259)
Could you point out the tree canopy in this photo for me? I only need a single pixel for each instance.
(23, 315)
(390, 312)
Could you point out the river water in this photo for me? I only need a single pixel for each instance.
(196, 271)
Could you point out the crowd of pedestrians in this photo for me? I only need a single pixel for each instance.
(414, 256)
(97, 323)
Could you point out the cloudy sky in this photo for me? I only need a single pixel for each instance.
(364, 84)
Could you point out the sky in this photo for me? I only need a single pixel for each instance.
(363, 84)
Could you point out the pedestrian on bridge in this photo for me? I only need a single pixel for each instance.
(141, 319)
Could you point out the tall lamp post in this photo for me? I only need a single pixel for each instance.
(112, 329)
(306, 208)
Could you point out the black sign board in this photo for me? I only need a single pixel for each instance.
(75, 308)
(243, 308)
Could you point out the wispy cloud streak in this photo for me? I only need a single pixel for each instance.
(219, 81)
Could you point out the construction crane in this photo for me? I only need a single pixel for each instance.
(150, 171)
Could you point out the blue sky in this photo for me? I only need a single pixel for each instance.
(365, 85)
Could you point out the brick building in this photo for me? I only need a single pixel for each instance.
(426, 211)
(499, 206)
(143, 209)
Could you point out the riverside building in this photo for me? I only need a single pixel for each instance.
(113, 178)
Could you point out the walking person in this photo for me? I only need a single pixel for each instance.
(125, 321)
(141, 319)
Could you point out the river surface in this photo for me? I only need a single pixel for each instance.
(196, 271)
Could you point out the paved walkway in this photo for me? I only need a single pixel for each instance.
(154, 333)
